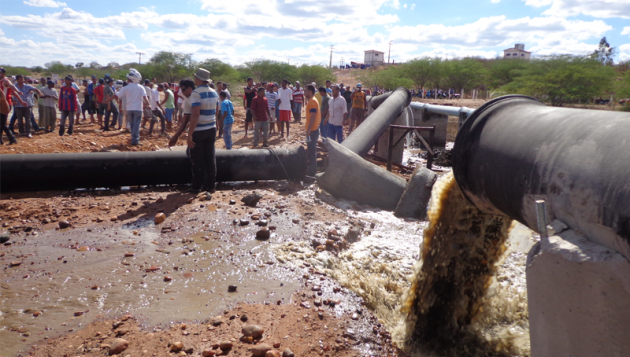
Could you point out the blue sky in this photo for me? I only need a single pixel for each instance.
(34, 32)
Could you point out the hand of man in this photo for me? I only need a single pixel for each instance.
(173, 141)
(190, 142)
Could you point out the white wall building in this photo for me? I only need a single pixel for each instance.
(373, 58)
(518, 51)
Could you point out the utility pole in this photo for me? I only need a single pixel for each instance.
(341, 62)
(331, 52)
(390, 51)
(139, 57)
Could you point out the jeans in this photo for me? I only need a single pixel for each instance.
(204, 164)
(135, 119)
(265, 127)
(22, 116)
(62, 126)
(227, 135)
(169, 114)
(323, 129)
(5, 129)
(157, 113)
(113, 111)
(311, 153)
(335, 131)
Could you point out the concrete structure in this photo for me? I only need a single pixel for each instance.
(415, 199)
(373, 58)
(518, 51)
(579, 298)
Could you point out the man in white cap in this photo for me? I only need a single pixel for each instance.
(202, 132)
(135, 96)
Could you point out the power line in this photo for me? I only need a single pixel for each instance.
(332, 47)
(390, 51)
(139, 57)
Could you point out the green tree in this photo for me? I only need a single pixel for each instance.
(171, 65)
(37, 69)
(95, 65)
(317, 73)
(260, 69)
(422, 70)
(56, 67)
(622, 86)
(564, 79)
(604, 53)
(220, 71)
(504, 71)
(79, 64)
(113, 65)
(466, 73)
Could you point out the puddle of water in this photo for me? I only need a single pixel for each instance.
(191, 283)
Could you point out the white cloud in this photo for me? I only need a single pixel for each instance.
(496, 1)
(598, 9)
(44, 3)
(626, 30)
(413, 6)
(539, 33)
(624, 52)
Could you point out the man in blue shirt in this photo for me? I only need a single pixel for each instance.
(24, 107)
(227, 112)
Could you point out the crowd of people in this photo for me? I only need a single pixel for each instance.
(199, 106)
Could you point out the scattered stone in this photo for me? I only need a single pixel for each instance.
(254, 331)
(168, 278)
(177, 346)
(263, 234)
(272, 353)
(247, 339)
(189, 350)
(130, 254)
(232, 289)
(15, 263)
(263, 223)
(305, 304)
(118, 345)
(252, 199)
(78, 313)
(208, 353)
(232, 202)
(160, 200)
(296, 221)
(244, 222)
(260, 350)
(113, 218)
(355, 316)
(317, 302)
(276, 345)
(244, 318)
(37, 313)
(64, 224)
(153, 269)
(225, 345)
(354, 234)
(288, 353)
(216, 321)
(4, 238)
(159, 218)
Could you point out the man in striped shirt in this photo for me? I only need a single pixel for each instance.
(67, 106)
(296, 103)
(202, 133)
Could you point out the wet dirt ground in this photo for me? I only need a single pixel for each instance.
(112, 260)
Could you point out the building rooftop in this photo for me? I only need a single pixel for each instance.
(374, 51)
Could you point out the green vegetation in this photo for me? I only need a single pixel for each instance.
(557, 80)
(172, 66)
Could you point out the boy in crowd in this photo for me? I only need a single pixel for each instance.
(261, 115)
(285, 96)
(48, 115)
(272, 97)
(67, 106)
(227, 117)
(313, 120)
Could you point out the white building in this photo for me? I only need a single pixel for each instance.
(373, 58)
(518, 51)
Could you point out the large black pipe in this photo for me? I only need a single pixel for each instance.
(365, 136)
(515, 150)
(88, 170)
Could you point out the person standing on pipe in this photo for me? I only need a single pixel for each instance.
(202, 133)
(313, 119)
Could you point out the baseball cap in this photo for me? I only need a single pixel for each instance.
(50, 82)
(3, 70)
(359, 85)
(297, 82)
(146, 81)
(109, 79)
(93, 76)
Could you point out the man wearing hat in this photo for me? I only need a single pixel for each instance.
(93, 107)
(135, 96)
(202, 132)
(110, 106)
(67, 106)
(48, 114)
(359, 107)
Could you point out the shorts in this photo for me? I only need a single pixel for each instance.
(357, 113)
(248, 116)
(146, 113)
(285, 115)
(297, 108)
(272, 117)
(102, 108)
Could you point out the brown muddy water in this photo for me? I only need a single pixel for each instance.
(184, 275)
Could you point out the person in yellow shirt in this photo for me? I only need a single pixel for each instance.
(313, 119)
(359, 107)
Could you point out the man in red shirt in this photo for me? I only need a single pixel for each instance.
(101, 107)
(68, 106)
(261, 115)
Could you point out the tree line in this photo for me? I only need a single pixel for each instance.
(557, 79)
(172, 66)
